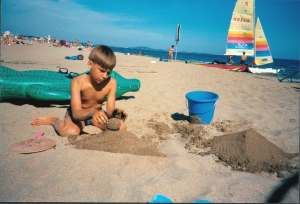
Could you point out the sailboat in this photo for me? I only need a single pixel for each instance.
(262, 51)
(245, 35)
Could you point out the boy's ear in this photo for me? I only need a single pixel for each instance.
(89, 63)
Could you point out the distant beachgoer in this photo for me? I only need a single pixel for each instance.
(88, 92)
(230, 59)
(89, 45)
(74, 57)
(48, 39)
(80, 57)
(244, 59)
(6, 40)
(63, 42)
(171, 52)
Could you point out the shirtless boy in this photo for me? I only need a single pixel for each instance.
(88, 92)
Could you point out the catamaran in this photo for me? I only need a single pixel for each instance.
(262, 51)
(246, 35)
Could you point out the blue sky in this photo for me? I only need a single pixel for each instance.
(152, 23)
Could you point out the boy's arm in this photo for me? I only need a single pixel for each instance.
(111, 98)
(77, 111)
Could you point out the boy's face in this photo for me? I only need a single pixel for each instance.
(97, 73)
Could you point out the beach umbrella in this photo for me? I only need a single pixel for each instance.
(177, 38)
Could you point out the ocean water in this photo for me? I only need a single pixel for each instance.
(285, 67)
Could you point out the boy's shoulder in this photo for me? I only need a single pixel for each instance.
(113, 80)
(111, 83)
(81, 79)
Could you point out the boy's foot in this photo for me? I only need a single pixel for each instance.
(44, 121)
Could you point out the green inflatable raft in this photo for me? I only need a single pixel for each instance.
(46, 85)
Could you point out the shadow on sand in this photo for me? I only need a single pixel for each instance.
(20, 102)
(59, 104)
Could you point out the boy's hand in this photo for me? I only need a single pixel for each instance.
(100, 118)
(120, 114)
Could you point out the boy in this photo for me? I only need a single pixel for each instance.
(88, 92)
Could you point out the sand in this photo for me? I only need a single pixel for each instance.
(66, 173)
(117, 142)
(249, 151)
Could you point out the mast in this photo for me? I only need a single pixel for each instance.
(177, 38)
(254, 28)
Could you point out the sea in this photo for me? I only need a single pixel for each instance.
(288, 70)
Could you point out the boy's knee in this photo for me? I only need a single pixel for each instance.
(70, 132)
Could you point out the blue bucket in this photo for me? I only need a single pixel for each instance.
(202, 105)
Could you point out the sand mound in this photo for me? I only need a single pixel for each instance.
(116, 142)
(250, 151)
(244, 150)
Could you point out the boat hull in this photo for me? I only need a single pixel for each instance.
(256, 70)
(239, 68)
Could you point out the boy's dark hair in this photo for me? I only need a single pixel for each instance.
(103, 56)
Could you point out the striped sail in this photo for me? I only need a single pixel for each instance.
(262, 50)
(240, 35)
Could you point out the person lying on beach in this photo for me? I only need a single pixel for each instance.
(88, 92)
(230, 59)
(74, 57)
(80, 57)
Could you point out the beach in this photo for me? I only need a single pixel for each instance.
(66, 173)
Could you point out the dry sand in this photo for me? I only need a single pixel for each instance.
(70, 174)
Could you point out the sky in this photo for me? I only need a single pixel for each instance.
(152, 23)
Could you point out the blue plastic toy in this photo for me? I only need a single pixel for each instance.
(159, 198)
